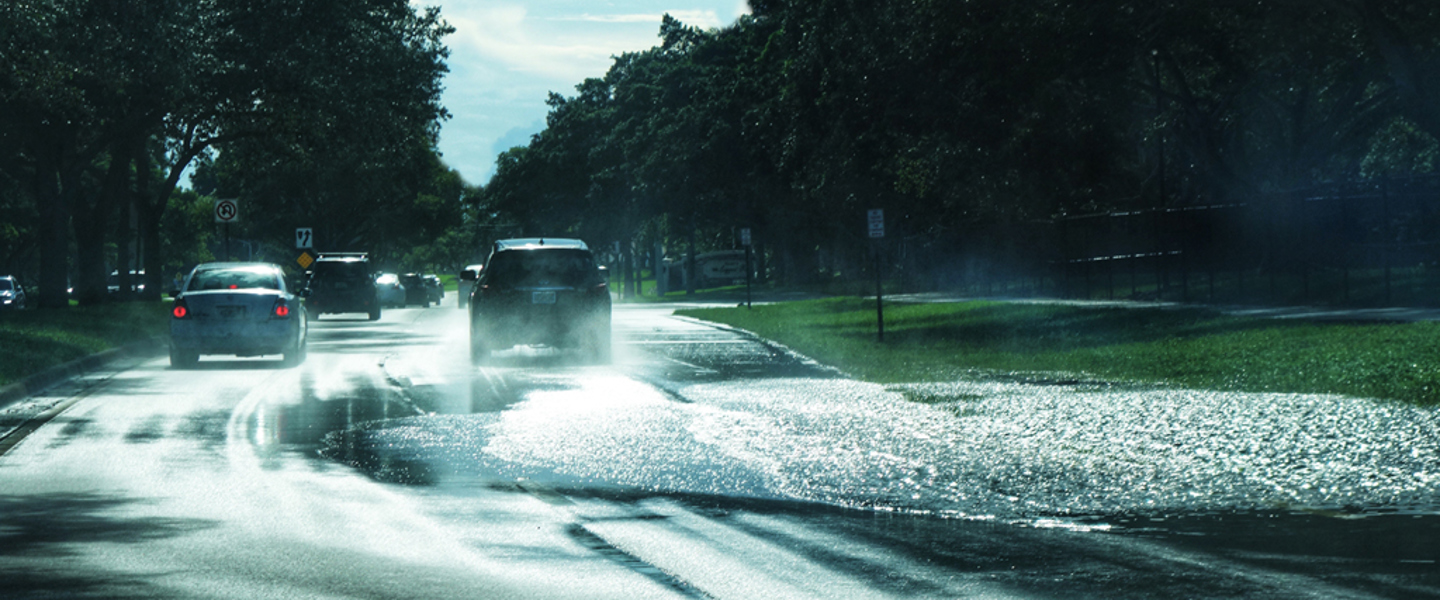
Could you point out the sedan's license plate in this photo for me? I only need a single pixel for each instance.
(542, 297)
(232, 312)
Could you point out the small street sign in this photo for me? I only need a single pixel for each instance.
(304, 238)
(745, 236)
(305, 260)
(227, 211)
(876, 219)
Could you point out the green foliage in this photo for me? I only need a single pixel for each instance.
(34, 340)
(1400, 148)
(1185, 347)
(962, 119)
(188, 233)
(103, 106)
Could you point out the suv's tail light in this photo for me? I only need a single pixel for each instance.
(180, 310)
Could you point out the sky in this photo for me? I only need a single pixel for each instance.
(506, 56)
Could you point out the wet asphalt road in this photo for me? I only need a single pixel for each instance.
(702, 464)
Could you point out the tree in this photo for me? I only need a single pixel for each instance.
(89, 87)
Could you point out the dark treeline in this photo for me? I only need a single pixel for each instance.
(321, 113)
(967, 122)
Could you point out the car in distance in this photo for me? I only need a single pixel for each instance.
(466, 283)
(241, 309)
(137, 281)
(12, 294)
(415, 292)
(342, 282)
(435, 287)
(392, 294)
(540, 291)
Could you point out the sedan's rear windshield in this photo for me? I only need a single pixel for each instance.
(542, 267)
(234, 279)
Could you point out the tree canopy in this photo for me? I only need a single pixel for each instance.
(964, 119)
(104, 105)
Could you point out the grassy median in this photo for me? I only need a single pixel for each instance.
(1172, 346)
(34, 340)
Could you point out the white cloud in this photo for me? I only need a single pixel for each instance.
(704, 19)
(561, 49)
(506, 55)
(611, 18)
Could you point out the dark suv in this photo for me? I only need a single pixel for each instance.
(540, 291)
(342, 282)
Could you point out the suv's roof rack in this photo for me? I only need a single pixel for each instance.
(518, 243)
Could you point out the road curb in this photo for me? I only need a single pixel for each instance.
(772, 345)
(56, 375)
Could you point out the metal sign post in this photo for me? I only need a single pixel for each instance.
(745, 241)
(876, 222)
(227, 212)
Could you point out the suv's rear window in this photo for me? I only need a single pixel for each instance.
(323, 270)
(541, 267)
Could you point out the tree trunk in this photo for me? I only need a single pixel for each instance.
(150, 204)
(52, 194)
(90, 254)
(630, 270)
(91, 220)
(124, 237)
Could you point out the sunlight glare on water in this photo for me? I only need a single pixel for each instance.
(989, 449)
(979, 450)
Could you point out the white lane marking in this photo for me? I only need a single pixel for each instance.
(726, 561)
(699, 368)
(689, 342)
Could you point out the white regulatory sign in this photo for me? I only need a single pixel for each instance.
(745, 236)
(304, 238)
(227, 211)
(876, 218)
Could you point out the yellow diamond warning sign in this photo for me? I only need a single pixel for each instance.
(305, 260)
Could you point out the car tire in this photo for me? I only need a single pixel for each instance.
(375, 314)
(597, 345)
(183, 359)
(295, 355)
(479, 350)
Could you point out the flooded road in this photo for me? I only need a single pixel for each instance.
(697, 408)
(704, 463)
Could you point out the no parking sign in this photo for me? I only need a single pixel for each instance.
(227, 211)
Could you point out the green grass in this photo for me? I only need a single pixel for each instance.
(1184, 347)
(34, 340)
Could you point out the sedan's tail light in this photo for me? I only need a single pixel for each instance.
(180, 310)
(282, 310)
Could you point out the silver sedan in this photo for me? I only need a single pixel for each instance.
(240, 309)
